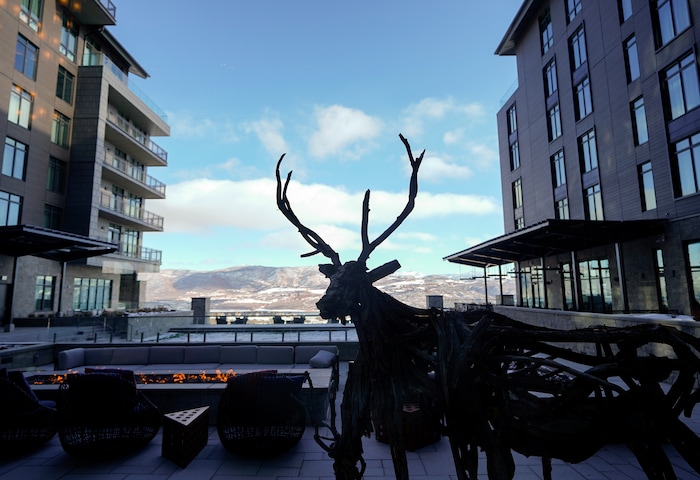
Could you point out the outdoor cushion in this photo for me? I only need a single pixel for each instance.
(276, 355)
(74, 357)
(202, 354)
(322, 359)
(167, 355)
(98, 356)
(304, 353)
(130, 356)
(239, 354)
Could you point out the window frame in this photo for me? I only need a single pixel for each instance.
(546, 31)
(26, 57)
(44, 292)
(686, 177)
(640, 129)
(21, 106)
(16, 165)
(30, 13)
(10, 208)
(558, 165)
(514, 154)
(60, 129)
(57, 175)
(678, 87)
(573, 8)
(550, 78)
(647, 192)
(554, 128)
(68, 46)
(65, 82)
(594, 202)
(583, 106)
(667, 20)
(577, 49)
(632, 66)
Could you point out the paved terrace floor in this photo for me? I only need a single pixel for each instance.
(307, 461)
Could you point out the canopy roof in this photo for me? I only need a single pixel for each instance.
(553, 237)
(21, 240)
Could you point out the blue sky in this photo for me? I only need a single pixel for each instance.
(331, 84)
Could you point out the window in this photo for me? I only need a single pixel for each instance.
(92, 293)
(10, 206)
(546, 31)
(596, 291)
(639, 122)
(567, 281)
(584, 104)
(625, 7)
(661, 281)
(554, 125)
(60, 129)
(20, 111)
(694, 266)
(14, 158)
(646, 186)
(577, 49)
(69, 37)
(631, 59)
(43, 293)
(561, 209)
(593, 203)
(587, 151)
(512, 120)
(558, 170)
(30, 13)
(64, 85)
(91, 54)
(53, 217)
(26, 57)
(682, 86)
(687, 167)
(573, 8)
(514, 156)
(550, 78)
(517, 189)
(519, 223)
(672, 18)
(56, 178)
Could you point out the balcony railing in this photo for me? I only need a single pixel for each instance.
(124, 206)
(135, 173)
(129, 129)
(109, 6)
(141, 253)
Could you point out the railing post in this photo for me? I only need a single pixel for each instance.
(141, 337)
(157, 337)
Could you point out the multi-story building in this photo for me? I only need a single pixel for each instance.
(78, 149)
(600, 157)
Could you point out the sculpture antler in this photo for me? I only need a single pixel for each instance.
(367, 246)
(311, 237)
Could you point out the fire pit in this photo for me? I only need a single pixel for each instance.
(147, 378)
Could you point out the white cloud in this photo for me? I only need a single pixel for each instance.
(435, 169)
(188, 126)
(342, 131)
(269, 132)
(416, 115)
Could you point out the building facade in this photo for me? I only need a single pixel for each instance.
(78, 152)
(600, 157)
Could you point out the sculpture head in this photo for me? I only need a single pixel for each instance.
(343, 295)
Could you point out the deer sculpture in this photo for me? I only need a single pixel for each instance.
(495, 384)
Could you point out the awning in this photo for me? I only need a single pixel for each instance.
(553, 237)
(22, 240)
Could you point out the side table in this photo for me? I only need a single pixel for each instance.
(185, 434)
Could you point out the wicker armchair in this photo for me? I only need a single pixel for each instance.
(103, 415)
(26, 422)
(260, 413)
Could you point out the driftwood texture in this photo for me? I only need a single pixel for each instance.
(495, 384)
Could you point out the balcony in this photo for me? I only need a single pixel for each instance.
(142, 254)
(92, 12)
(122, 208)
(127, 128)
(145, 185)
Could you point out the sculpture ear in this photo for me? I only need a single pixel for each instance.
(328, 269)
(383, 270)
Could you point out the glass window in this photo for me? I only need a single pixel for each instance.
(20, 111)
(514, 156)
(14, 158)
(631, 59)
(512, 120)
(567, 281)
(519, 223)
(517, 189)
(92, 294)
(44, 291)
(56, 178)
(587, 151)
(546, 33)
(573, 8)
(30, 13)
(682, 86)
(625, 7)
(69, 37)
(561, 209)
(550, 78)
(639, 122)
(661, 281)
(554, 124)
(584, 104)
(64, 85)
(646, 186)
(687, 167)
(577, 48)
(596, 291)
(694, 266)
(26, 57)
(672, 18)
(594, 203)
(53, 217)
(558, 169)
(10, 206)
(60, 129)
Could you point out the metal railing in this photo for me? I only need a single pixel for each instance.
(130, 129)
(137, 174)
(123, 206)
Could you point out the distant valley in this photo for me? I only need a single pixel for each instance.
(298, 288)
